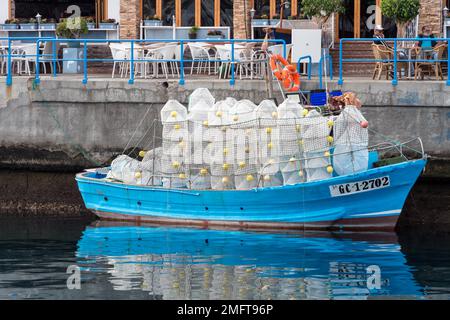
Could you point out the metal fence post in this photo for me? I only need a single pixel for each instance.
(284, 49)
(308, 66)
(131, 81)
(394, 78)
(85, 77)
(9, 66)
(448, 63)
(340, 81)
(232, 80)
(37, 78)
(181, 82)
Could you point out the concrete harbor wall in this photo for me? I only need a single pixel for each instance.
(63, 125)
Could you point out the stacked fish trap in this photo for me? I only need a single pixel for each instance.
(229, 144)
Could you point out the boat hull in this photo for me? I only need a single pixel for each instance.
(311, 205)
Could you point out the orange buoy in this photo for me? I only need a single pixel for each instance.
(275, 61)
(288, 76)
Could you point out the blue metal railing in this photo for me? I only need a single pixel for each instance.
(9, 56)
(395, 59)
(323, 59)
(309, 58)
(54, 59)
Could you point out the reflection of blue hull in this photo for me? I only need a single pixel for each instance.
(334, 261)
(309, 205)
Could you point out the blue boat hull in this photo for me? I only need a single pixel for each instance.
(308, 205)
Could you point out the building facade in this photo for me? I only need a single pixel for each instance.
(358, 20)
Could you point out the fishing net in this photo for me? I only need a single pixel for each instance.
(231, 144)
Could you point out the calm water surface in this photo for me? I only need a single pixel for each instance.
(118, 261)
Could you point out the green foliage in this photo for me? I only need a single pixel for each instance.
(401, 11)
(194, 29)
(72, 28)
(322, 8)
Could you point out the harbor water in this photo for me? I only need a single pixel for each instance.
(73, 258)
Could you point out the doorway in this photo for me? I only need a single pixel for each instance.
(359, 18)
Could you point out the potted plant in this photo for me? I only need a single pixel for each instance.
(90, 22)
(28, 24)
(261, 20)
(193, 32)
(153, 21)
(72, 28)
(400, 11)
(108, 24)
(214, 34)
(10, 24)
(48, 24)
(321, 10)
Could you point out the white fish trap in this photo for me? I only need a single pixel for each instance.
(132, 171)
(173, 111)
(351, 154)
(219, 114)
(348, 129)
(242, 111)
(267, 132)
(271, 180)
(315, 131)
(200, 178)
(201, 94)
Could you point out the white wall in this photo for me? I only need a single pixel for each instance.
(3, 10)
(113, 9)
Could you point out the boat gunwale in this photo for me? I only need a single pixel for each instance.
(196, 192)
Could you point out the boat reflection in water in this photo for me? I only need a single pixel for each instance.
(187, 263)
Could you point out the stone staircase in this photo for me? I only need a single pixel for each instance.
(353, 50)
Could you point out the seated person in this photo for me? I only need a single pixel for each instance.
(426, 34)
(379, 40)
(379, 35)
(427, 44)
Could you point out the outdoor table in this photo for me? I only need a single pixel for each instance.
(409, 51)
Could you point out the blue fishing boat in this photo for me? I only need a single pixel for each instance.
(362, 201)
(334, 180)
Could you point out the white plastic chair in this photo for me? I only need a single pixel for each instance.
(118, 53)
(223, 53)
(26, 55)
(168, 53)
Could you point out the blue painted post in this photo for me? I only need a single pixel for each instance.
(54, 57)
(394, 78)
(448, 63)
(181, 82)
(340, 81)
(309, 65)
(85, 77)
(9, 66)
(37, 79)
(284, 50)
(232, 80)
(131, 81)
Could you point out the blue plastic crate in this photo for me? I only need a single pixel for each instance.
(318, 97)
